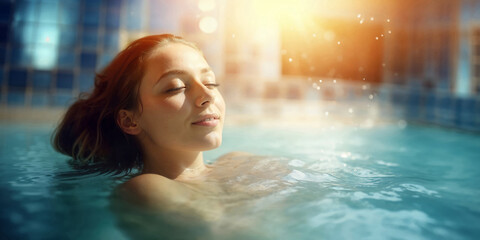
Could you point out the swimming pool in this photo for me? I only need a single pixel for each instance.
(385, 182)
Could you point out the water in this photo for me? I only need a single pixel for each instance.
(384, 182)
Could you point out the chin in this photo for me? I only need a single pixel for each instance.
(210, 142)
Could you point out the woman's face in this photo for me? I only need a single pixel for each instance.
(181, 108)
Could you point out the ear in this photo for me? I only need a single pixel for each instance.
(126, 122)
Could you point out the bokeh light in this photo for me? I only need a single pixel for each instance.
(208, 24)
(206, 5)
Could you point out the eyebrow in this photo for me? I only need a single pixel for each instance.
(181, 72)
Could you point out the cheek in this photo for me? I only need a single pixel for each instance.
(162, 112)
(220, 103)
(173, 104)
(165, 105)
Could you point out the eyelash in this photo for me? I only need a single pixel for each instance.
(209, 85)
(175, 89)
(214, 85)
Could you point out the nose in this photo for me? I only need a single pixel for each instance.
(205, 96)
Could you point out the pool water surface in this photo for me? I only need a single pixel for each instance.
(385, 182)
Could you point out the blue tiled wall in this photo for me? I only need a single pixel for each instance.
(433, 107)
(50, 49)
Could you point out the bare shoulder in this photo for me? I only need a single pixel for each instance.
(156, 192)
(234, 155)
(150, 189)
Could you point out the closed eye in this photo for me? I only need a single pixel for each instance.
(171, 90)
(212, 85)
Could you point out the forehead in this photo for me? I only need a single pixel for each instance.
(175, 56)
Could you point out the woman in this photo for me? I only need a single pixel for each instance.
(156, 107)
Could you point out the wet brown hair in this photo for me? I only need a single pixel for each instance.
(89, 132)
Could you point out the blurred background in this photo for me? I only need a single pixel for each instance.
(344, 60)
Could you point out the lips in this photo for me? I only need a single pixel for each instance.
(207, 120)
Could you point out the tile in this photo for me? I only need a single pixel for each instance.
(113, 4)
(90, 38)
(22, 33)
(44, 56)
(69, 13)
(21, 56)
(111, 41)
(112, 19)
(67, 59)
(444, 113)
(91, 17)
(429, 103)
(16, 98)
(465, 112)
(88, 60)
(413, 105)
(41, 80)
(86, 80)
(65, 79)
(17, 78)
(68, 38)
(4, 33)
(48, 11)
(62, 99)
(6, 11)
(105, 59)
(91, 4)
(25, 11)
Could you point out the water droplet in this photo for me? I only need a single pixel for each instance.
(338, 42)
(326, 113)
(350, 110)
(376, 38)
(362, 20)
(320, 80)
(233, 35)
(318, 87)
(383, 64)
(389, 32)
(371, 19)
(359, 15)
(363, 79)
(381, 35)
(334, 81)
(364, 87)
(290, 59)
(388, 20)
(370, 97)
(314, 35)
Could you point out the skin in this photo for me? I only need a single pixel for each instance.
(181, 115)
(177, 92)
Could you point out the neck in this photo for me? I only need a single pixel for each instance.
(173, 164)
